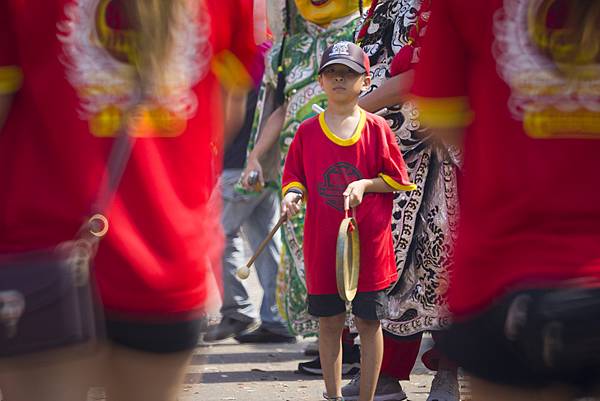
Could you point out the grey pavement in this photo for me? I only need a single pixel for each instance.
(229, 371)
(234, 372)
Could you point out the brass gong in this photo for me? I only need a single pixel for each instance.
(347, 256)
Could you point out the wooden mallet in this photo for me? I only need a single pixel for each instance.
(244, 271)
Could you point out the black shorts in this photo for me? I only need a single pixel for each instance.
(482, 347)
(366, 305)
(155, 337)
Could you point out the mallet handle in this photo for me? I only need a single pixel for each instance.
(317, 109)
(263, 244)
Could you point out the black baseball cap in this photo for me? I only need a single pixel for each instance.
(348, 54)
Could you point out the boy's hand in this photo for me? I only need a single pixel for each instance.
(355, 192)
(290, 205)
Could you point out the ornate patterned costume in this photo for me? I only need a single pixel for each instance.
(424, 220)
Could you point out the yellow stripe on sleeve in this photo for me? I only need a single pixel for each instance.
(452, 112)
(294, 184)
(11, 79)
(395, 184)
(230, 71)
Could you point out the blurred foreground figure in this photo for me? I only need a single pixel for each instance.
(524, 77)
(72, 73)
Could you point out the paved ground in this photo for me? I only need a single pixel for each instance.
(232, 372)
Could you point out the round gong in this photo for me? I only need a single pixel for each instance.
(347, 259)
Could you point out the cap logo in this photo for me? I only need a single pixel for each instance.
(340, 48)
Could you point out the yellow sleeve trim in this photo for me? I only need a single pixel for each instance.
(230, 71)
(294, 184)
(395, 184)
(452, 112)
(336, 139)
(11, 79)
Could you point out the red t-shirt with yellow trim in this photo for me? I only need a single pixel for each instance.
(322, 165)
(530, 198)
(72, 56)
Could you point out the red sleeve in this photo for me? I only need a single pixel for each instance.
(235, 59)
(394, 171)
(440, 86)
(243, 44)
(10, 73)
(293, 169)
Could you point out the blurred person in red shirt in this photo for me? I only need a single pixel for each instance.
(66, 69)
(517, 82)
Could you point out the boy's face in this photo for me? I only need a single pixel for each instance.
(342, 84)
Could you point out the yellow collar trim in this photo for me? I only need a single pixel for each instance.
(336, 139)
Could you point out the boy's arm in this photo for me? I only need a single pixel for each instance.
(356, 190)
(293, 182)
(376, 185)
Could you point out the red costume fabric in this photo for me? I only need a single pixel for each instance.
(55, 143)
(529, 198)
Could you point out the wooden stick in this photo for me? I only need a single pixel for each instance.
(263, 244)
(318, 109)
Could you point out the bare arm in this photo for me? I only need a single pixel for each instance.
(270, 134)
(356, 190)
(390, 93)
(376, 185)
(234, 112)
(266, 140)
(449, 136)
(5, 102)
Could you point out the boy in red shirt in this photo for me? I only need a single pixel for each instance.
(346, 152)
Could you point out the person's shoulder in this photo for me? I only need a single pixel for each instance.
(311, 124)
(311, 121)
(375, 122)
(374, 119)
